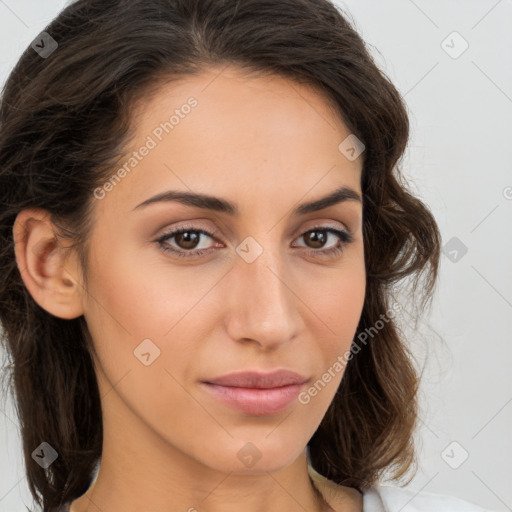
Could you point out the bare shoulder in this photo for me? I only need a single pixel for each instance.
(340, 497)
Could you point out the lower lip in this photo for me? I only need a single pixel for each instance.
(255, 401)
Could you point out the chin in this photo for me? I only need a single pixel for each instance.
(267, 453)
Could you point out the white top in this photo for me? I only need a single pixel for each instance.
(382, 498)
(387, 498)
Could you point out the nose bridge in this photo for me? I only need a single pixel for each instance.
(262, 306)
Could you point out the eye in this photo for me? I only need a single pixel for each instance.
(188, 238)
(319, 235)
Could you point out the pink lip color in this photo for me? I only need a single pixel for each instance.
(253, 400)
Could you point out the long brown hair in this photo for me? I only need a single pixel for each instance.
(64, 122)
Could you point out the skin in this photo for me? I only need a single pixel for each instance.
(266, 144)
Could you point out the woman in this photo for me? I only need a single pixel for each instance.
(202, 223)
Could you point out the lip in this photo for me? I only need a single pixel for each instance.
(257, 393)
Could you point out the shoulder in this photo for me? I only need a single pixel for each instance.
(383, 498)
(386, 498)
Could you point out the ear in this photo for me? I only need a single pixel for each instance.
(48, 269)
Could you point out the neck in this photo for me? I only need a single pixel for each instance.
(139, 488)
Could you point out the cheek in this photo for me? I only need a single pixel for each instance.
(338, 299)
(129, 313)
(120, 313)
(337, 304)
(127, 296)
(141, 312)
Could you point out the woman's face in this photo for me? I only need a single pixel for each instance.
(245, 288)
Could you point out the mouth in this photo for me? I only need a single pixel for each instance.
(255, 392)
(255, 401)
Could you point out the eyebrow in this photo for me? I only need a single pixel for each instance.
(218, 204)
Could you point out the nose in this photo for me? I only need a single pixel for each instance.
(262, 307)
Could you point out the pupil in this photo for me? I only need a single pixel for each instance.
(317, 236)
(189, 239)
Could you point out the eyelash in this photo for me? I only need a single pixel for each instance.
(344, 237)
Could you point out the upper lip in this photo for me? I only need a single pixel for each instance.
(259, 380)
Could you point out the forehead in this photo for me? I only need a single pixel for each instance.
(225, 133)
(234, 92)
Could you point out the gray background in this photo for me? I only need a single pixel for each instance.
(459, 161)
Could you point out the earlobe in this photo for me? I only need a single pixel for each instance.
(41, 261)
